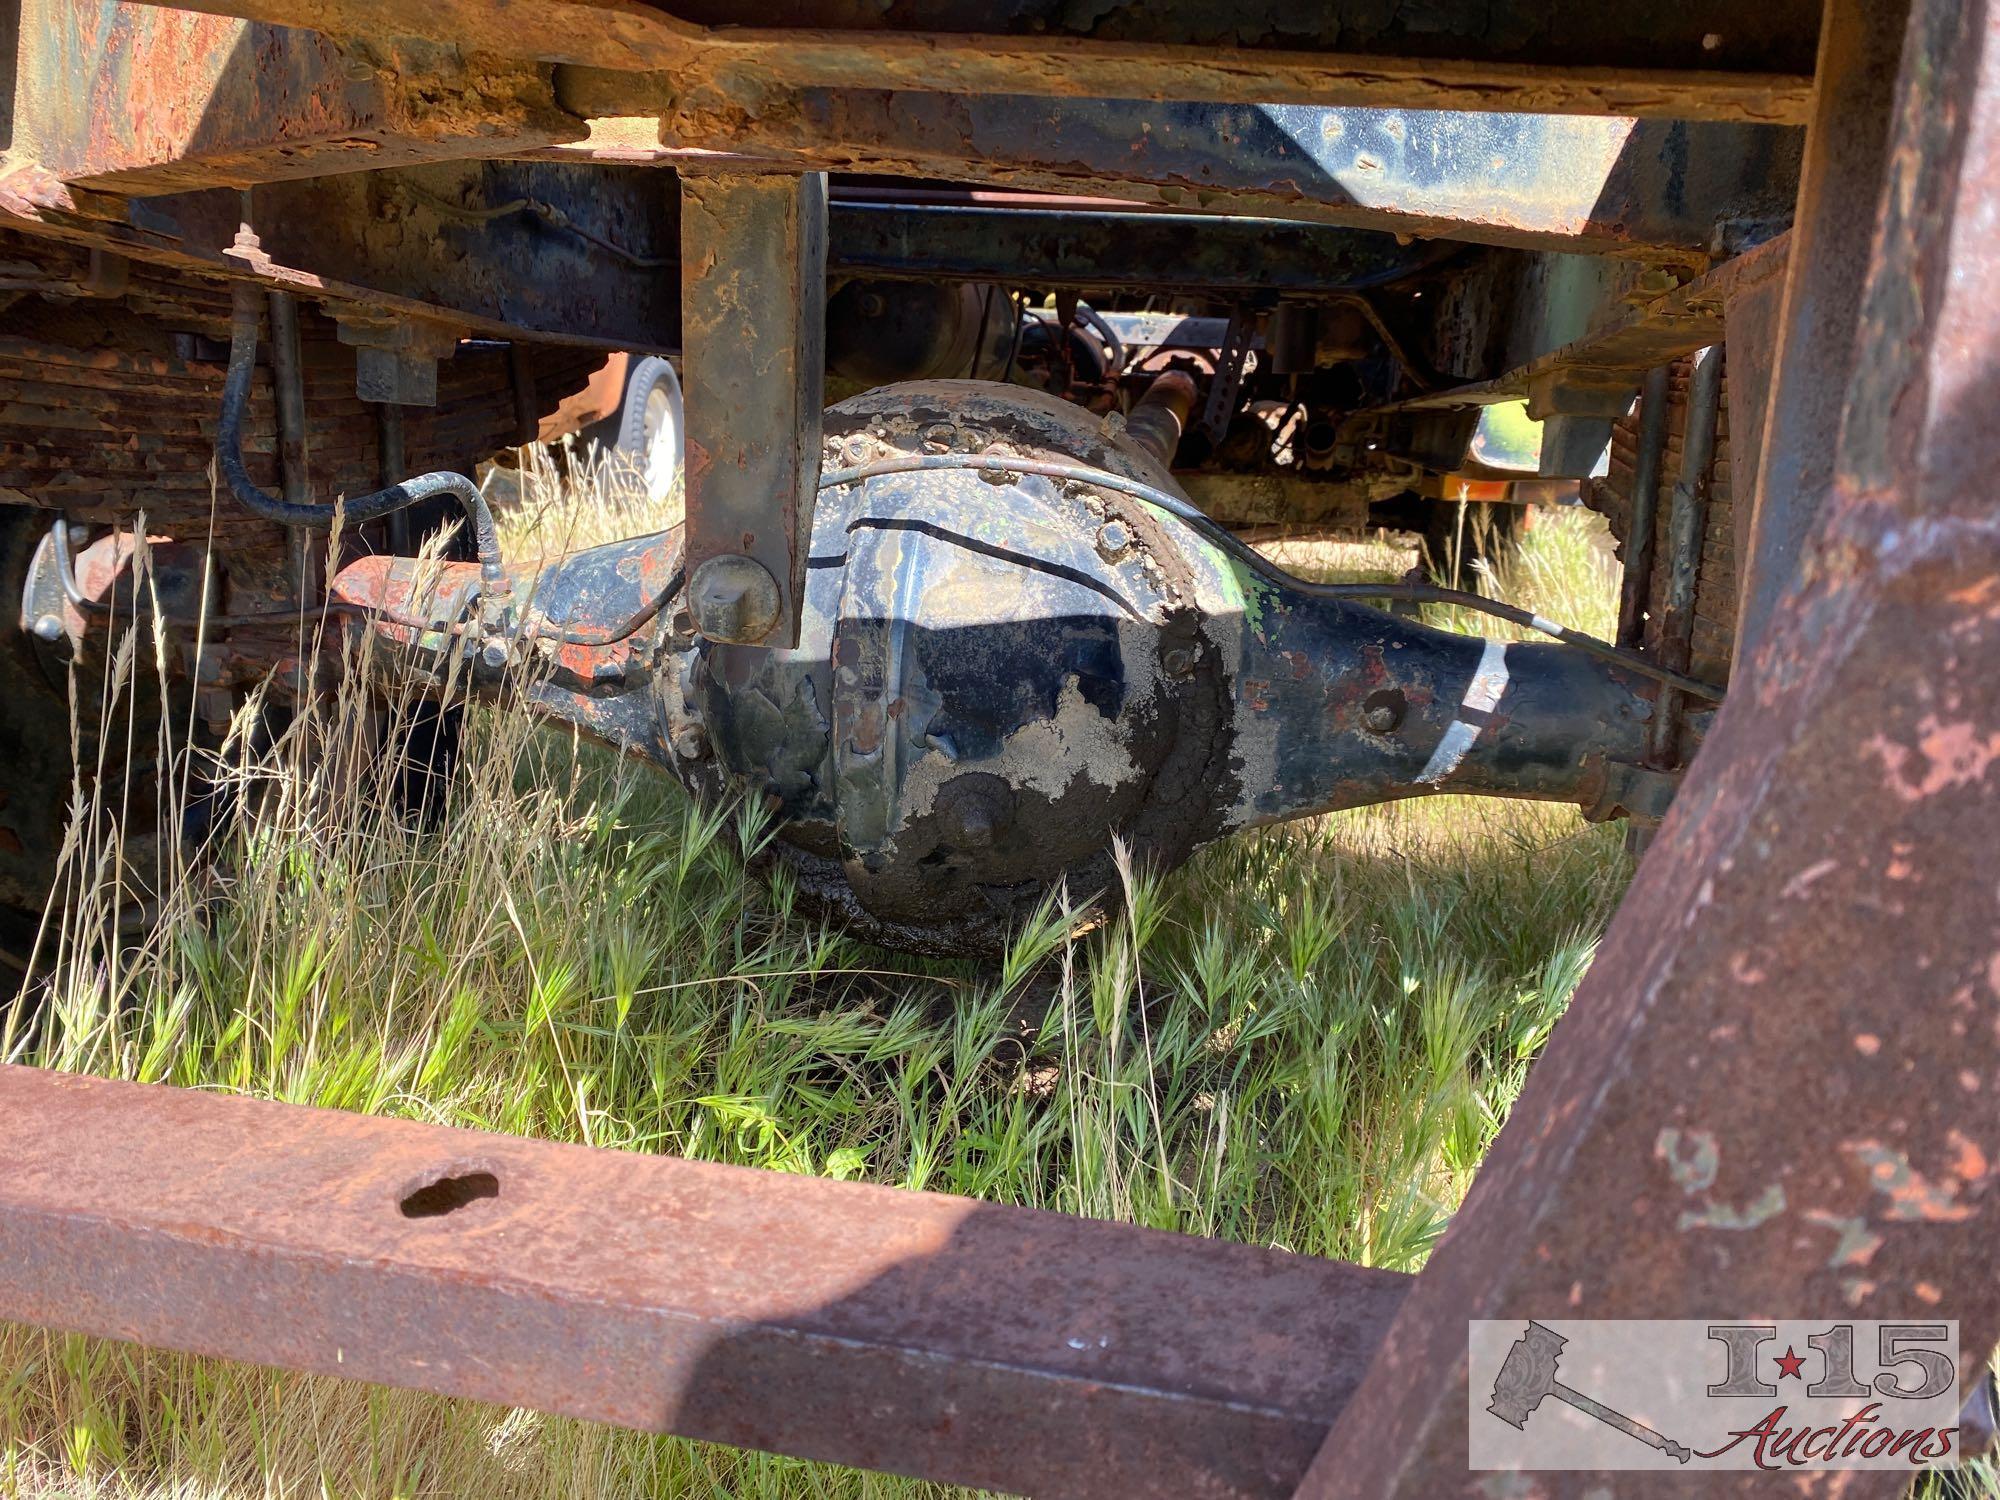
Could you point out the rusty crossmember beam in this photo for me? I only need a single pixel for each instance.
(1685, 59)
(1093, 249)
(1538, 180)
(912, 1332)
(371, 238)
(238, 103)
(144, 99)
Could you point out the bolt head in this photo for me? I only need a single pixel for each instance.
(493, 655)
(1112, 540)
(1178, 661)
(733, 599)
(49, 628)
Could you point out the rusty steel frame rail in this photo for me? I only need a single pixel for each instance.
(1820, 313)
(209, 84)
(1674, 59)
(1655, 188)
(913, 1332)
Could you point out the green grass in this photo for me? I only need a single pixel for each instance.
(1304, 1039)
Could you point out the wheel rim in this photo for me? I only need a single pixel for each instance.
(662, 427)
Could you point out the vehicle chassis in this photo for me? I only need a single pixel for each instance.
(1773, 1093)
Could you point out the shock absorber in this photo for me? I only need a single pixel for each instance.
(1019, 640)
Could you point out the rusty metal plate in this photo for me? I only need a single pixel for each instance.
(1550, 181)
(1693, 59)
(1816, 350)
(148, 99)
(753, 320)
(913, 1332)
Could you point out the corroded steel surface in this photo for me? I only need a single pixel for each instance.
(1839, 197)
(1556, 181)
(1107, 246)
(1779, 1088)
(143, 98)
(1704, 59)
(913, 1332)
(753, 311)
(1647, 34)
(1753, 316)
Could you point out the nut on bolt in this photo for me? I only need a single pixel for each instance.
(733, 599)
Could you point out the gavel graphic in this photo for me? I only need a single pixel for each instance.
(1529, 1373)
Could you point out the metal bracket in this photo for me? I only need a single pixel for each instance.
(1616, 788)
(395, 358)
(753, 296)
(1577, 414)
(1221, 404)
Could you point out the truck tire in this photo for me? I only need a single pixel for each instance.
(650, 428)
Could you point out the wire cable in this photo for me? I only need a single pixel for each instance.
(245, 318)
(1222, 537)
(549, 214)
